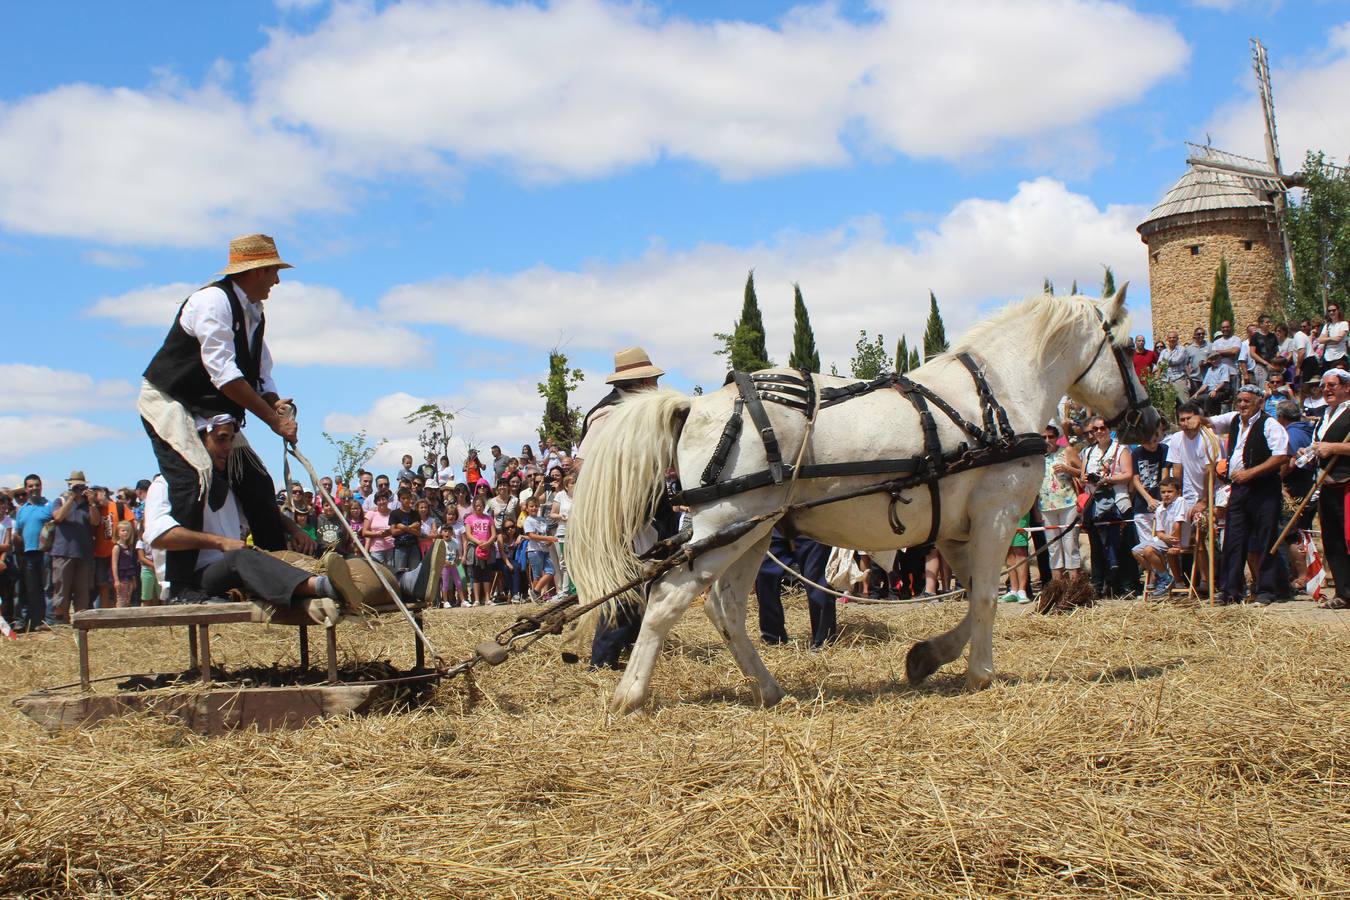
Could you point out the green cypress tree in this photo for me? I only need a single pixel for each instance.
(1073, 288)
(902, 356)
(804, 355)
(1109, 283)
(748, 353)
(914, 360)
(1048, 287)
(1220, 303)
(934, 333)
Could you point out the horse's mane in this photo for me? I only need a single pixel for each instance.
(1047, 317)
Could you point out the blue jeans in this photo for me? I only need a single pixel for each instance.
(32, 590)
(540, 564)
(407, 558)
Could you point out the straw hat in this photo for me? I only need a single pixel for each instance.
(76, 477)
(633, 363)
(252, 251)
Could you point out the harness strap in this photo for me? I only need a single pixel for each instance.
(995, 416)
(730, 433)
(932, 451)
(761, 419)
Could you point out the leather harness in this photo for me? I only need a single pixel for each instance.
(990, 443)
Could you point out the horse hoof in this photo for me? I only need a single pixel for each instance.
(976, 681)
(921, 662)
(769, 698)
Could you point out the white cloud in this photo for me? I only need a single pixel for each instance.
(164, 166)
(853, 277)
(581, 88)
(497, 411)
(1305, 119)
(41, 389)
(110, 259)
(307, 325)
(29, 436)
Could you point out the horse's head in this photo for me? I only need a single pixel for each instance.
(1108, 383)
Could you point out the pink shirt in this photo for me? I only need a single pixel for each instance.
(479, 528)
(378, 521)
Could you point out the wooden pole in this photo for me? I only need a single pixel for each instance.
(1298, 509)
(1209, 536)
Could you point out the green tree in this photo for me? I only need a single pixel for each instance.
(744, 345)
(437, 427)
(1048, 287)
(1318, 227)
(561, 420)
(351, 454)
(906, 357)
(1108, 283)
(1220, 304)
(870, 358)
(934, 333)
(804, 355)
(1073, 288)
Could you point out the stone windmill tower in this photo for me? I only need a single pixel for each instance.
(1226, 207)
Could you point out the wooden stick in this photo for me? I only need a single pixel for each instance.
(1209, 536)
(1298, 509)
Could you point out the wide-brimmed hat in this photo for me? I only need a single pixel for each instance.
(76, 477)
(632, 363)
(253, 251)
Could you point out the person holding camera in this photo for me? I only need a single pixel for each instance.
(72, 550)
(1109, 470)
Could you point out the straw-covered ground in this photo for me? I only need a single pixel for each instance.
(1123, 750)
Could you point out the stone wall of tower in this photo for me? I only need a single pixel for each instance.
(1182, 262)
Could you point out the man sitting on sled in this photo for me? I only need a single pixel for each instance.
(324, 590)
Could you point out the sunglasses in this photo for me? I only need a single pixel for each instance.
(1099, 428)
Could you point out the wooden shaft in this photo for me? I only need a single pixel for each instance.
(304, 647)
(82, 638)
(1209, 537)
(331, 632)
(204, 638)
(1298, 509)
(192, 647)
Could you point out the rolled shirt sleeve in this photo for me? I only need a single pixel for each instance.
(1277, 439)
(159, 519)
(207, 317)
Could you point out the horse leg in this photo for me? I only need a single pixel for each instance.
(667, 601)
(725, 608)
(987, 551)
(927, 656)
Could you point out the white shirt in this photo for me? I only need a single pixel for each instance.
(228, 521)
(1229, 363)
(1193, 454)
(1302, 344)
(1337, 332)
(1327, 419)
(206, 316)
(1166, 516)
(1277, 439)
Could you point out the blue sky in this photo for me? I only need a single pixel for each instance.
(463, 185)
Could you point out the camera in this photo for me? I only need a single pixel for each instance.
(1094, 477)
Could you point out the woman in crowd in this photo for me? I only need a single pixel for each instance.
(1331, 340)
(480, 538)
(528, 464)
(445, 475)
(375, 529)
(1109, 470)
(463, 501)
(9, 568)
(562, 510)
(1058, 499)
(473, 469)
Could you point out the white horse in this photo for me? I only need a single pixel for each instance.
(1031, 353)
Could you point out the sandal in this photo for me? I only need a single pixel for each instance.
(1334, 603)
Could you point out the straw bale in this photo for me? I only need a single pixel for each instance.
(1130, 748)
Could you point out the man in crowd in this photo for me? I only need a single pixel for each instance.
(1216, 388)
(35, 513)
(1263, 346)
(1224, 352)
(215, 362)
(1143, 358)
(1180, 372)
(1331, 446)
(1190, 453)
(499, 463)
(365, 487)
(73, 548)
(1258, 450)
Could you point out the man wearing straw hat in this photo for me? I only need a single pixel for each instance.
(633, 371)
(213, 362)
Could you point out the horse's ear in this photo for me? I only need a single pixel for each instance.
(1117, 307)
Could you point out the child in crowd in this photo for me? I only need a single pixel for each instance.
(452, 532)
(480, 534)
(1019, 573)
(149, 579)
(511, 566)
(125, 566)
(536, 552)
(1161, 551)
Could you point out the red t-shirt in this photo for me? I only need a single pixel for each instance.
(1143, 362)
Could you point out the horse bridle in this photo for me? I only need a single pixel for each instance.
(1132, 416)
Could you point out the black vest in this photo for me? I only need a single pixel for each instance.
(178, 371)
(1257, 451)
(613, 397)
(1338, 433)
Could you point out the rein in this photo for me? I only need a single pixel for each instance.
(1136, 400)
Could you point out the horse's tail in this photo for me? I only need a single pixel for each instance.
(621, 480)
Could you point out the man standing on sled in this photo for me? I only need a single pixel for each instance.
(215, 362)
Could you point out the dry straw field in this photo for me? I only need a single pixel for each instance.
(1124, 750)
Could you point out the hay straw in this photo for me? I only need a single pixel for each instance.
(1125, 749)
